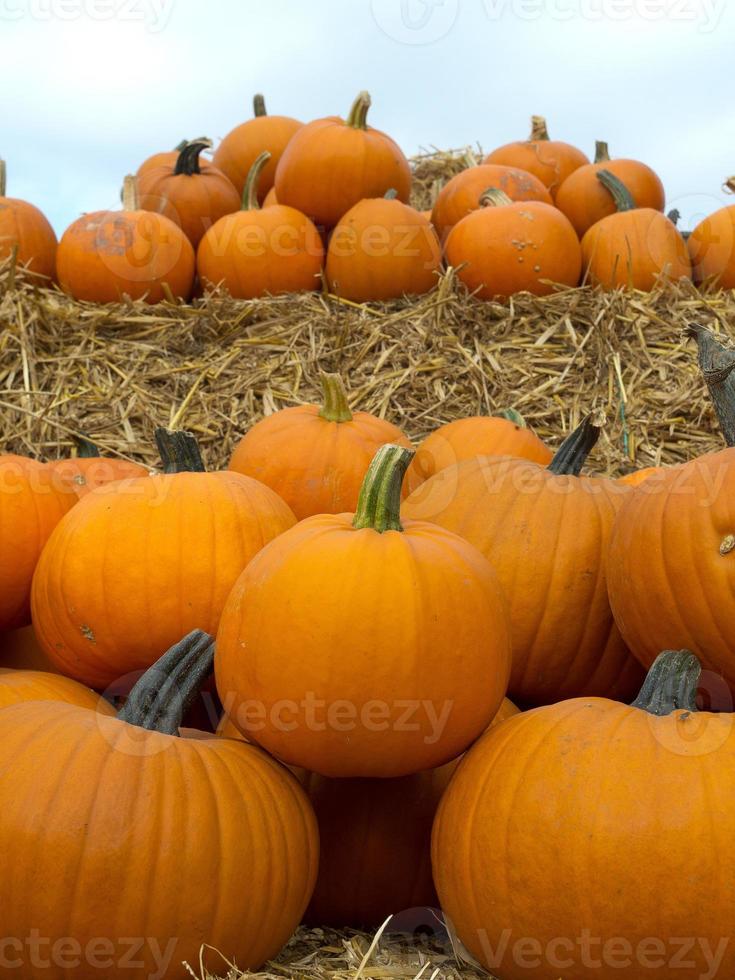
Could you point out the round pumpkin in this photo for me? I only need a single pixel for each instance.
(88, 470)
(462, 194)
(712, 249)
(25, 231)
(315, 456)
(144, 560)
(557, 842)
(110, 254)
(396, 654)
(239, 150)
(192, 196)
(331, 164)
(17, 686)
(509, 247)
(258, 252)
(552, 161)
(124, 822)
(546, 532)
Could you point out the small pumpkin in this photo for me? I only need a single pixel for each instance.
(712, 248)
(257, 252)
(509, 247)
(25, 231)
(462, 194)
(88, 470)
(331, 164)
(106, 255)
(552, 161)
(17, 686)
(92, 806)
(239, 150)
(391, 627)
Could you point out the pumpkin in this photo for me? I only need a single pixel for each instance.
(546, 531)
(88, 470)
(331, 164)
(17, 686)
(145, 560)
(239, 150)
(192, 196)
(396, 654)
(109, 254)
(25, 232)
(554, 802)
(315, 456)
(124, 821)
(19, 650)
(256, 252)
(508, 247)
(382, 249)
(552, 161)
(462, 194)
(585, 201)
(635, 247)
(470, 438)
(712, 249)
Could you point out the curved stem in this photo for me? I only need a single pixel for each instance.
(188, 160)
(179, 451)
(86, 449)
(620, 193)
(335, 407)
(163, 695)
(259, 105)
(180, 146)
(571, 456)
(539, 130)
(671, 683)
(379, 505)
(729, 185)
(716, 363)
(3, 178)
(130, 195)
(511, 415)
(250, 191)
(602, 152)
(493, 197)
(391, 194)
(359, 111)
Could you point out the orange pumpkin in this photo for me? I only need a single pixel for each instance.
(462, 194)
(552, 161)
(396, 654)
(25, 230)
(510, 247)
(110, 254)
(331, 164)
(712, 249)
(17, 686)
(192, 196)
(315, 456)
(88, 470)
(92, 806)
(382, 249)
(546, 531)
(256, 252)
(147, 559)
(239, 150)
(585, 201)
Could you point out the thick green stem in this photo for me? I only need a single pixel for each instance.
(717, 365)
(359, 111)
(130, 195)
(3, 178)
(179, 451)
(671, 684)
(188, 160)
(86, 449)
(602, 152)
(539, 130)
(163, 695)
(493, 197)
(512, 416)
(620, 193)
(571, 456)
(250, 191)
(335, 407)
(379, 505)
(259, 105)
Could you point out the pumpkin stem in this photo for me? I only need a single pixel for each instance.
(571, 456)
(379, 504)
(602, 152)
(3, 178)
(259, 105)
(163, 695)
(250, 191)
(493, 197)
(335, 407)
(729, 185)
(180, 146)
(674, 216)
(539, 130)
(512, 416)
(130, 195)
(188, 161)
(716, 363)
(671, 684)
(358, 113)
(620, 193)
(391, 194)
(179, 451)
(86, 449)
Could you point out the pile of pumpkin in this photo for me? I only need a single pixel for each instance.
(284, 207)
(372, 609)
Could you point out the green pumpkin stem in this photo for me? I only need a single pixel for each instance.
(359, 111)
(571, 456)
(671, 684)
(539, 130)
(160, 699)
(335, 407)
(717, 365)
(179, 451)
(512, 416)
(391, 194)
(379, 505)
(250, 191)
(259, 105)
(188, 160)
(3, 178)
(620, 193)
(86, 449)
(493, 197)
(130, 194)
(602, 152)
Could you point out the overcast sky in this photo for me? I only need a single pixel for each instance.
(91, 87)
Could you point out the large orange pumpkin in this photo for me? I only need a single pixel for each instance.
(109, 254)
(557, 844)
(315, 456)
(331, 164)
(546, 531)
(88, 470)
(712, 249)
(17, 686)
(396, 652)
(125, 824)
(138, 562)
(552, 161)
(25, 231)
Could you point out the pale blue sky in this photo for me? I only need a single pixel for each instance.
(91, 87)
